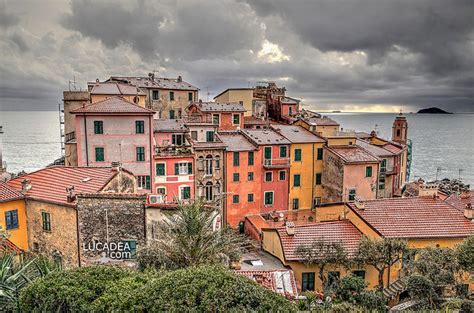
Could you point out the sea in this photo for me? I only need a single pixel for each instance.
(443, 145)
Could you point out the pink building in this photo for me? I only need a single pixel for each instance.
(173, 162)
(226, 116)
(116, 130)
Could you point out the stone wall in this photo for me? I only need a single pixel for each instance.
(332, 178)
(217, 177)
(113, 219)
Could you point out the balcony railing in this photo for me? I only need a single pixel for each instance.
(276, 163)
(173, 150)
(70, 136)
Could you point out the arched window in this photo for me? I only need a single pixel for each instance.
(217, 160)
(209, 191)
(208, 165)
(398, 132)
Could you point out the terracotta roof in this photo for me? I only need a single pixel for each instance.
(114, 88)
(220, 106)
(373, 149)
(9, 247)
(321, 121)
(362, 135)
(252, 120)
(169, 125)
(297, 134)
(265, 137)
(8, 193)
(461, 201)
(158, 82)
(49, 184)
(392, 148)
(289, 100)
(229, 89)
(113, 105)
(236, 142)
(353, 154)
(342, 231)
(416, 217)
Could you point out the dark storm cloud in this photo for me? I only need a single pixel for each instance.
(7, 18)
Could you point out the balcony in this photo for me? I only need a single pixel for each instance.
(173, 150)
(276, 163)
(69, 137)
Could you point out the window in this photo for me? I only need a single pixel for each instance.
(283, 152)
(183, 168)
(307, 281)
(241, 102)
(172, 114)
(139, 127)
(209, 191)
(282, 175)
(235, 199)
(368, 171)
(297, 155)
(46, 219)
(383, 166)
(352, 194)
(160, 169)
(155, 95)
(161, 190)
(290, 111)
(296, 203)
(250, 176)
(316, 202)
(208, 165)
(268, 198)
(236, 159)
(320, 154)
(250, 197)
(251, 158)
(382, 182)
(236, 177)
(11, 219)
(398, 132)
(140, 151)
(296, 180)
(177, 139)
(268, 153)
(98, 127)
(143, 182)
(318, 178)
(210, 136)
(268, 176)
(194, 135)
(171, 95)
(99, 154)
(190, 96)
(236, 119)
(360, 274)
(215, 119)
(217, 160)
(185, 193)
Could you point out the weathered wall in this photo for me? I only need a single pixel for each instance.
(332, 178)
(109, 218)
(237, 95)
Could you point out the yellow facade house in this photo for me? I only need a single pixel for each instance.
(13, 216)
(306, 166)
(242, 95)
(321, 126)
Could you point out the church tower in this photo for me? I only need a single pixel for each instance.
(400, 129)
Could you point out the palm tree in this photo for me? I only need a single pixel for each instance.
(187, 238)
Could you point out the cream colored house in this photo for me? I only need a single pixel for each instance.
(241, 95)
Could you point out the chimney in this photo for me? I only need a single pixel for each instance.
(25, 185)
(290, 228)
(71, 194)
(180, 79)
(359, 203)
(468, 212)
(465, 194)
(428, 190)
(373, 133)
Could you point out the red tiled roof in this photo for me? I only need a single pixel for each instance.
(416, 217)
(297, 134)
(7, 246)
(353, 154)
(392, 148)
(49, 184)
(8, 193)
(321, 121)
(113, 88)
(461, 201)
(343, 232)
(113, 105)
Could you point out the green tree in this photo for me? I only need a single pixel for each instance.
(322, 252)
(422, 288)
(437, 264)
(187, 238)
(465, 254)
(381, 254)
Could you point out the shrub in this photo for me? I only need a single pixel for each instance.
(345, 307)
(372, 301)
(69, 291)
(422, 288)
(350, 287)
(465, 254)
(467, 306)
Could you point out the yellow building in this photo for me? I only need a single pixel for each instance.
(241, 95)
(13, 216)
(306, 167)
(421, 221)
(321, 126)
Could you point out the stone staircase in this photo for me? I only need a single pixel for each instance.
(394, 289)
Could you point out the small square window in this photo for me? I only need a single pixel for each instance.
(171, 95)
(296, 203)
(160, 169)
(296, 180)
(140, 127)
(318, 178)
(98, 127)
(250, 197)
(368, 171)
(190, 96)
(11, 219)
(236, 159)
(236, 177)
(235, 199)
(268, 176)
(251, 158)
(268, 198)
(297, 155)
(352, 194)
(155, 95)
(250, 176)
(140, 153)
(307, 281)
(320, 154)
(283, 151)
(236, 119)
(99, 154)
(282, 175)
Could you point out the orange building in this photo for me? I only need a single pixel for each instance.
(13, 216)
(227, 116)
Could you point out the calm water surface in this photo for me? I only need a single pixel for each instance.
(31, 140)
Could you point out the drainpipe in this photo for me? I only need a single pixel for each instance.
(85, 134)
(313, 186)
(78, 238)
(150, 122)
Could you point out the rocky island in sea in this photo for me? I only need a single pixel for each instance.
(433, 110)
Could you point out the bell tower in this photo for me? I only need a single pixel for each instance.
(399, 129)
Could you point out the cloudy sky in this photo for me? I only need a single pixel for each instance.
(354, 55)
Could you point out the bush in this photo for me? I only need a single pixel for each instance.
(467, 306)
(345, 307)
(465, 254)
(350, 287)
(72, 290)
(210, 289)
(422, 288)
(373, 301)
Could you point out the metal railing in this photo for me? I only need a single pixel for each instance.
(276, 163)
(173, 150)
(70, 136)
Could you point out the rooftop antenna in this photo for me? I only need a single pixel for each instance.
(438, 171)
(73, 83)
(460, 172)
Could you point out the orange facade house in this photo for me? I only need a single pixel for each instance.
(226, 116)
(13, 216)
